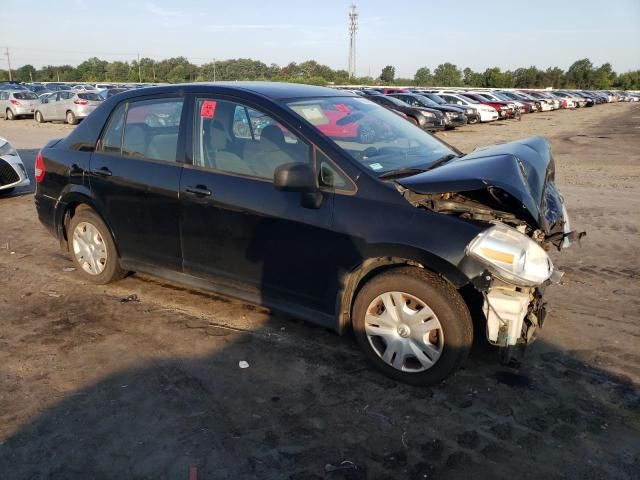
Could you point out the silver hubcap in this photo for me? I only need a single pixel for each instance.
(404, 332)
(89, 248)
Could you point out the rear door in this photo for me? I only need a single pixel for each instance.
(135, 177)
(64, 104)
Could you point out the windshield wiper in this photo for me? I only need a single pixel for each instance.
(441, 161)
(401, 172)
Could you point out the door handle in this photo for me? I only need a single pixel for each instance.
(199, 190)
(103, 171)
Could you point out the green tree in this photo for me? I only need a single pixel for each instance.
(447, 75)
(117, 72)
(581, 74)
(553, 77)
(493, 77)
(423, 77)
(92, 70)
(471, 78)
(388, 74)
(26, 73)
(603, 77)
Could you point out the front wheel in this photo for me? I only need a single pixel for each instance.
(92, 248)
(39, 117)
(412, 325)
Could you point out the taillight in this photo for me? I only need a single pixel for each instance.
(81, 102)
(39, 170)
(14, 102)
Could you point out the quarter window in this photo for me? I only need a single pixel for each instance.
(234, 138)
(112, 139)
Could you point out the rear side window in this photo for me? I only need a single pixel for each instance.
(94, 97)
(151, 129)
(25, 96)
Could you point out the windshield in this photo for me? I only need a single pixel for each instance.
(25, 96)
(372, 135)
(435, 98)
(424, 101)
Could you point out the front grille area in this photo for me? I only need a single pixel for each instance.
(7, 174)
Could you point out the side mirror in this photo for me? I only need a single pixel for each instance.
(298, 177)
(294, 177)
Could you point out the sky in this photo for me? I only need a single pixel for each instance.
(468, 33)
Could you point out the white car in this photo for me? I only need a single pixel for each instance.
(486, 112)
(12, 171)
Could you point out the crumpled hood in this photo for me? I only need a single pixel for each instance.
(524, 169)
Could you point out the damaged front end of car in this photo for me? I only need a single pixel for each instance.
(510, 190)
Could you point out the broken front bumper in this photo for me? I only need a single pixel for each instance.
(513, 314)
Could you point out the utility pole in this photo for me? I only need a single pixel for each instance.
(8, 63)
(214, 69)
(353, 30)
(139, 70)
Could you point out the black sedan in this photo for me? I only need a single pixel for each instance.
(455, 115)
(426, 118)
(267, 192)
(472, 115)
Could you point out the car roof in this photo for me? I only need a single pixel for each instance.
(271, 90)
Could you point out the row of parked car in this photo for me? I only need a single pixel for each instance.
(444, 109)
(430, 109)
(47, 102)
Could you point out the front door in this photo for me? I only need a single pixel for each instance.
(236, 227)
(135, 177)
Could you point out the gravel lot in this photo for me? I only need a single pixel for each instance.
(94, 387)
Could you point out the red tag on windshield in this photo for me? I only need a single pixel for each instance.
(208, 109)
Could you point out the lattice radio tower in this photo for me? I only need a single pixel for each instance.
(353, 30)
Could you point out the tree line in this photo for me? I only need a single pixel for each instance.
(581, 74)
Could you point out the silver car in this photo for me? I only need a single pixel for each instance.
(67, 105)
(17, 103)
(12, 171)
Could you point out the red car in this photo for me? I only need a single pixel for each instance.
(503, 108)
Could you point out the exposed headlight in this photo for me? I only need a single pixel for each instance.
(7, 149)
(429, 114)
(469, 111)
(511, 256)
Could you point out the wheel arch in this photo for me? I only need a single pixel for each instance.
(69, 204)
(377, 264)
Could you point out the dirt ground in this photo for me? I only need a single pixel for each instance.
(95, 387)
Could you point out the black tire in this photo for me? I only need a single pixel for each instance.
(112, 270)
(38, 116)
(71, 118)
(445, 302)
(10, 115)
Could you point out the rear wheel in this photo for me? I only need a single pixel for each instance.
(412, 325)
(92, 248)
(71, 118)
(10, 114)
(39, 117)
